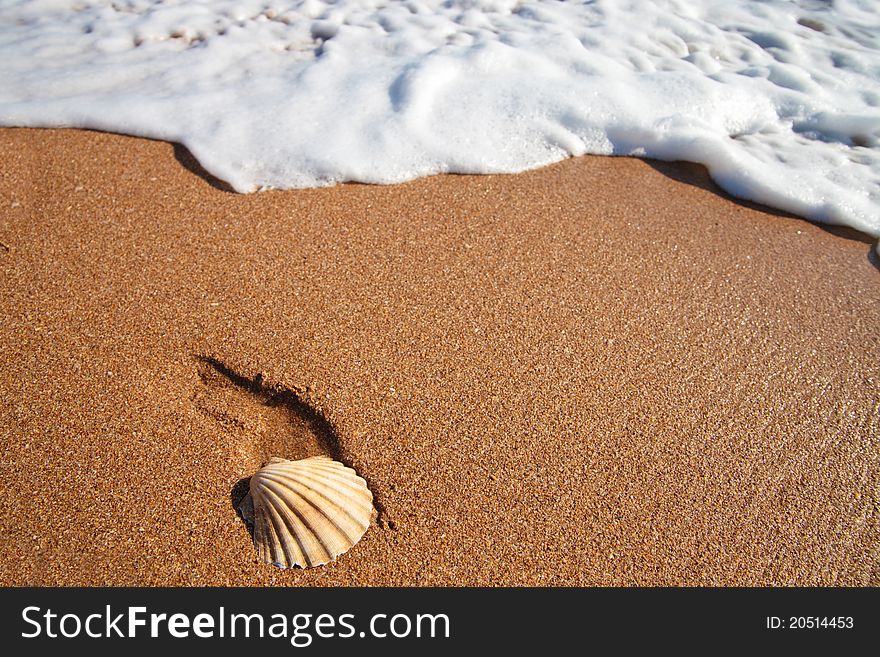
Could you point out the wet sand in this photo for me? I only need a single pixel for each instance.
(603, 372)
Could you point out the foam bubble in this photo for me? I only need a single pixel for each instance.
(779, 99)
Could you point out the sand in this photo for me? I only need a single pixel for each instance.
(603, 372)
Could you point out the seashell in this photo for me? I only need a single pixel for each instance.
(307, 512)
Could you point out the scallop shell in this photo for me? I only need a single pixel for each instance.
(308, 512)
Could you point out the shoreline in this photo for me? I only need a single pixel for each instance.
(602, 372)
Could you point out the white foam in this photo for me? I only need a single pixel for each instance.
(779, 99)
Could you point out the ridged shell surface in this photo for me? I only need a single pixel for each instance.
(308, 512)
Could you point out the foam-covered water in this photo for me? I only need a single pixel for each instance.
(779, 99)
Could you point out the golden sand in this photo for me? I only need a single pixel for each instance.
(601, 372)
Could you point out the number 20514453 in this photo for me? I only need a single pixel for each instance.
(810, 623)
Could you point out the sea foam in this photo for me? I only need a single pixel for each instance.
(780, 100)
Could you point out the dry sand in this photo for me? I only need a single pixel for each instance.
(601, 372)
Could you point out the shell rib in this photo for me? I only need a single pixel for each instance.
(308, 512)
